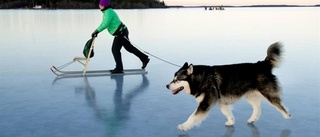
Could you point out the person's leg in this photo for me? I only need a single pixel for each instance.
(116, 47)
(130, 48)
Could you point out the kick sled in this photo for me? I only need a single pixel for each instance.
(84, 61)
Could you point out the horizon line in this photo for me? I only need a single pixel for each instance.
(245, 5)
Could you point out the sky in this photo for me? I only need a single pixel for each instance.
(240, 2)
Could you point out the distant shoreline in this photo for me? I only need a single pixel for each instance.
(245, 6)
(205, 6)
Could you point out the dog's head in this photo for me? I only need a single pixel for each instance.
(180, 80)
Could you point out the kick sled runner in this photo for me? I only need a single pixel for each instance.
(84, 61)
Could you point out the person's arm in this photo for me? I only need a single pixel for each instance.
(106, 19)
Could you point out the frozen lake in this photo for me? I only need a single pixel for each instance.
(33, 103)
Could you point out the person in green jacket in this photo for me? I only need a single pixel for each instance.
(115, 27)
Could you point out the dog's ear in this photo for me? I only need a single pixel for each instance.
(190, 69)
(185, 65)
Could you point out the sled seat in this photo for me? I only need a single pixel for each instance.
(79, 58)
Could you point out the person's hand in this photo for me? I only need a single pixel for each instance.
(94, 34)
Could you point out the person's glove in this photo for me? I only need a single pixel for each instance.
(94, 34)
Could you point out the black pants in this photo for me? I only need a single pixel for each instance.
(120, 41)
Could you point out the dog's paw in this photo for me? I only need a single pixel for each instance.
(288, 116)
(183, 127)
(229, 123)
(251, 120)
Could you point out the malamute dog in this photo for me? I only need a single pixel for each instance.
(224, 85)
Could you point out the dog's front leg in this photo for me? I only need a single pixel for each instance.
(225, 109)
(194, 119)
(198, 115)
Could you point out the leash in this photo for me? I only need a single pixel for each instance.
(151, 54)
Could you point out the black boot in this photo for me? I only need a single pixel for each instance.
(116, 71)
(145, 63)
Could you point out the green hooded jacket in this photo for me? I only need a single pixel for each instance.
(110, 21)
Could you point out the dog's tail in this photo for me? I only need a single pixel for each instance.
(274, 54)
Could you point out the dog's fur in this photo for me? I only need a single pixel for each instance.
(224, 85)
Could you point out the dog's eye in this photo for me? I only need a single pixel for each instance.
(175, 80)
(181, 77)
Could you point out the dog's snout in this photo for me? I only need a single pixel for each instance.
(167, 86)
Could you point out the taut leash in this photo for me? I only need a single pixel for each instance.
(152, 54)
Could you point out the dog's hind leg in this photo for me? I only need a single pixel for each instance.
(226, 111)
(253, 99)
(275, 100)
